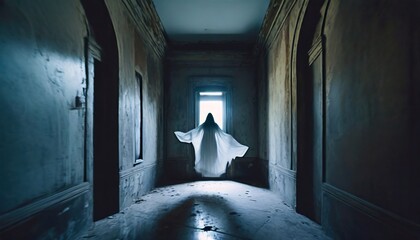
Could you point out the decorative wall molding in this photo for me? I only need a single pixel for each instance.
(373, 211)
(20, 214)
(136, 182)
(148, 24)
(93, 48)
(213, 58)
(315, 50)
(136, 168)
(286, 172)
(283, 182)
(277, 13)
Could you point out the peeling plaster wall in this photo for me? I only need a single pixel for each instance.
(231, 69)
(41, 132)
(276, 104)
(136, 56)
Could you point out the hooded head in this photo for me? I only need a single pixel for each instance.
(209, 118)
(209, 121)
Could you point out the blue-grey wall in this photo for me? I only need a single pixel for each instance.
(41, 130)
(367, 58)
(46, 143)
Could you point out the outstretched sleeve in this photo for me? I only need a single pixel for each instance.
(184, 137)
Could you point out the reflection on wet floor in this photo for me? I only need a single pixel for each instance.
(207, 210)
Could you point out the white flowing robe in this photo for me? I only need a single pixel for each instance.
(213, 148)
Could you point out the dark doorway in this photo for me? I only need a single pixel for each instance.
(105, 111)
(310, 116)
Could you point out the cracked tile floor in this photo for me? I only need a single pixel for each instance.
(207, 210)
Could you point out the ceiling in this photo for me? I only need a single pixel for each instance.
(211, 21)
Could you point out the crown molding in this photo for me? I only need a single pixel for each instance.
(277, 13)
(147, 21)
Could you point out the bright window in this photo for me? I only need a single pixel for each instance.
(214, 103)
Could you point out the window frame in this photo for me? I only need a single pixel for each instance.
(213, 87)
(199, 97)
(138, 157)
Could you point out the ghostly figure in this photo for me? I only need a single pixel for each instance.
(214, 149)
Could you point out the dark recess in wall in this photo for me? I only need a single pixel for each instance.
(306, 114)
(105, 136)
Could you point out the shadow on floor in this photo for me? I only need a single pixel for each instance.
(207, 210)
(198, 217)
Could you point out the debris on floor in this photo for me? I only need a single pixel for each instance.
(192, 210)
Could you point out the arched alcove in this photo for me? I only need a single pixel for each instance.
(104, 173)
(310, 112)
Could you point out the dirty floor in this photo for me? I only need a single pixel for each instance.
(207, 210)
